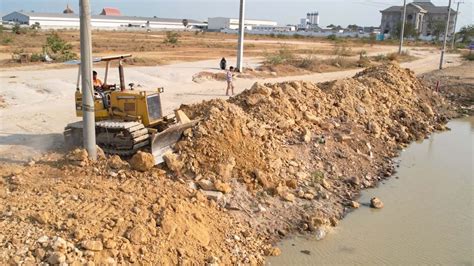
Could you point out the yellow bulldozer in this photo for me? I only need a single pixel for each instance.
(127, 119)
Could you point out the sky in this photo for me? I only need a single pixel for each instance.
(338, 12)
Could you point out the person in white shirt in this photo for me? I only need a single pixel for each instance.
(229, 78)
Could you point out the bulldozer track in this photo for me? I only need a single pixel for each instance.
(123, 138)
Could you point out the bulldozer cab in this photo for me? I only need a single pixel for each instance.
(112, 101)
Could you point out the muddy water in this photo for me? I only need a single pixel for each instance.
(428, 216)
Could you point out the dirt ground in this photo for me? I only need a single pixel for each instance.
(150, 49)
(456, 84)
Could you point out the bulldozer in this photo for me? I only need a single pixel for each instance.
(127, 119)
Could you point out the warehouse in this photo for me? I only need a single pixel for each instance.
(70, 20)
(221, 23)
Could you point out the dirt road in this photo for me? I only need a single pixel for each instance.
(40, 102)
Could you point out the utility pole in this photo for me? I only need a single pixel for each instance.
(403, 26)
(445, 37)
(88, 117)
(240, 53)
(455, 23)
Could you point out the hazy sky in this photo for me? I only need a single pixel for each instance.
(339, 12)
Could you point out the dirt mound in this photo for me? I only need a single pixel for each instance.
(319, 142)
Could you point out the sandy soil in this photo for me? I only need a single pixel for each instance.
(40, 102)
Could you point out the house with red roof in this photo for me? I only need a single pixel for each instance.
(110, 11)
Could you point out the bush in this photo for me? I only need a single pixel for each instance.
(342, 50)
(18, 30)
(36, 57)
(7, 40)
(283, 56)
(171, 38)
(332, 37)
(60, 49)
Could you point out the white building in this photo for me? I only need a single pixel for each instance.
(221, 23)
(70, 20)
(274, 28)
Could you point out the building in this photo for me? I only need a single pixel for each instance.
(426, 18)
(68, 19)
(221, 23)
(274, 28)
(110, 11)
(311, 22)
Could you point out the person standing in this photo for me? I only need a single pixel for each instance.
(223, 63)
(230, 81)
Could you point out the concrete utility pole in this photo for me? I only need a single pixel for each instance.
(403, 26)
(445, 37)
(240, 53)
(455, 23)
(88, 117)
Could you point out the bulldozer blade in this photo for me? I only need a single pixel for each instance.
(161, 142)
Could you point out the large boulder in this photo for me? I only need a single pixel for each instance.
(142, 161)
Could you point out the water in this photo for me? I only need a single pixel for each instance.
(427, 218)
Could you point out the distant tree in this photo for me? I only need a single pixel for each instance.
(331, 26)
(35, 26)
(409, 31)
(185, 23)
(353, 27)
(437, 29)
(466, 34)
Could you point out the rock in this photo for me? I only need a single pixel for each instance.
(427, 109)
(56, 258)
(93, 245)
(320, 233)
(355, 204)
(222, 187)
(262, 179)
(273, 251)
(292, 183)
(213, 195)
(206, 184)
(311, 117)
(110, 244)
(307, 136)
(376, 203)
(354, 181)
(43, 239)
(308, 196)
(172, 162)
(41, 217)
(100, 153)
(142, 161)
(288, 196)
(307, 252)
(115, 162)
(374, 128)
(59, 244)
(78, 155)
(40, 253)
(138, 235)
(326, 184)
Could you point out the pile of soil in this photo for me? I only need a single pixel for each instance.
(276, 159)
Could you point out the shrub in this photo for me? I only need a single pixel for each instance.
(60, 49)
(342, 50)
(36, 57)
(282, 56)
(332, 37)
(7, 40)
(171, 38)
(18, 30)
